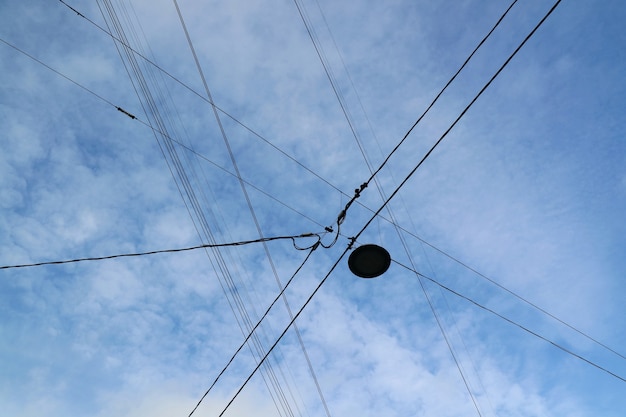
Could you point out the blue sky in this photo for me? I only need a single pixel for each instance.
(528, 189)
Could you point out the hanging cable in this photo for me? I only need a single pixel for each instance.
(344, 107)
(247, 198)
(441, 251)
(444, 253)
(291, 322)
(21, 51)
(454, 322)
(331, 78)
(202, 97)
(526, 329)
(358, 191)
(280, 294)
(353, 239)
(449, 129)
(133, 117)
(448, 343)
(419, 119)
(204, 228)
(157, 131)
(191, 248)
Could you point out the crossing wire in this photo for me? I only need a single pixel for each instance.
(154, 252)
(403, 229)
(248, 201)
(392, 195)
(524, 328)
(202, 97)
(120, 110)
(218, 262)
(344, 107)
(444, 253)
(280, 295)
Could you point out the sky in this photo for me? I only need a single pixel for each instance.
(505, 292)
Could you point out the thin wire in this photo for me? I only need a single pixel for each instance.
(447, 340)
(454, 322)
(164, 134)
(63, 75)
(419, 119)
(167, 136)
(291, 322)
(482, 90)
(519, 297)
(209, 101)
(378, 186)
(456, 121)
(280, 295)
(331, 78)
(412, 234)
(248, 201)
(355, 238)
(452, 79)
(154, 252)
(230, 286)
(477, 304)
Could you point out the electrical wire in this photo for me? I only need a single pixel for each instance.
(164, 134)
(344, 108)
(331, 78)
(448, 344)
(21, 51)
(249, 202)
(386, 202)
(118, 108)
(444, 253)
(279, 296)
(454, 323)
(186, 189)
(524, 328)
(291, 322)
(191, 248)
(460, 116)
(419, 119)
(202, 97)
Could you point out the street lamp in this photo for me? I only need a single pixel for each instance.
(369, 261)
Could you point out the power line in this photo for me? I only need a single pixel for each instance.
(526, 329)
(391, 221)
(280, 295)
(63, 75)
(154, 252)
(121, 110)
(118, 108)
(203, 98)
(249, 203)
(386, 202)
(514, 294)
(167, 136)
(204, 228)
(215, 107)
(381, 191)
(291, 322)
(331, 78)
(446, 254)
(465, 110)
(419, 119)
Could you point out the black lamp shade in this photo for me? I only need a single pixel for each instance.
(369, 261)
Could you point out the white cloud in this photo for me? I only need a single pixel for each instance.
(526, 189)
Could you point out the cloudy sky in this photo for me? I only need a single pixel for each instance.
(518, 214)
